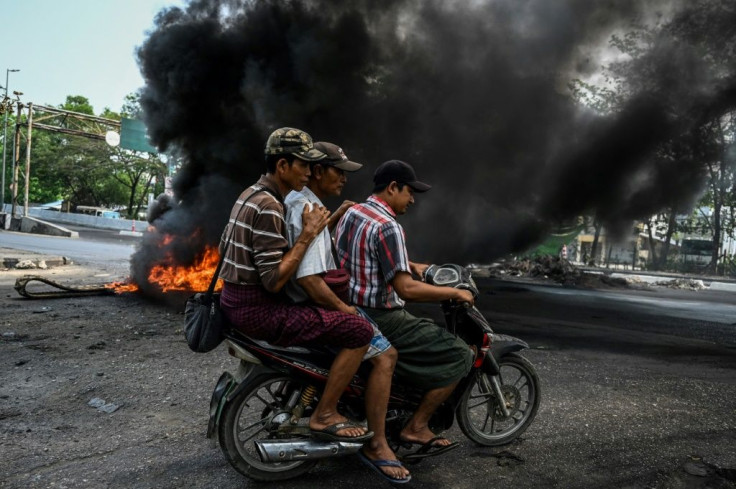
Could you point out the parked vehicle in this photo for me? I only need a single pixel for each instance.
(98, 211)
(260, 414)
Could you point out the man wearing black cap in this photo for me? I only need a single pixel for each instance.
(327, 179)
(258, 263)
(371, 245)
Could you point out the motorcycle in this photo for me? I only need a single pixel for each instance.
(260, 414)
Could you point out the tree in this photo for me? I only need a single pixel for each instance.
(89, 172)
(681, 63)
(139, 175)
(78, 103)
(140, 172)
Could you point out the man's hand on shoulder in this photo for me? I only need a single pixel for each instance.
(335, 217)
(314, 220)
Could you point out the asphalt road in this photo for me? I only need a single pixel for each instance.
(638, 391)
(93, 245)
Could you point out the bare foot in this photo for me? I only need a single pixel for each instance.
(320, 422)
(422, 436)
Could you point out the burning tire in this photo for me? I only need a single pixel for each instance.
(479, 414)
(256, 413)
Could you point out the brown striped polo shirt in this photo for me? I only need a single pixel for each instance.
(259, 240)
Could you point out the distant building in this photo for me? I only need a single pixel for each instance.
(693, 248)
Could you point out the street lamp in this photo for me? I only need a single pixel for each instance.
(5, 137)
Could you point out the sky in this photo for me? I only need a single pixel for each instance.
(75, 47)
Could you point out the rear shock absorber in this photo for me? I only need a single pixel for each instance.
(304, 402)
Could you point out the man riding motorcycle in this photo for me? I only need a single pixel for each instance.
(371, 246)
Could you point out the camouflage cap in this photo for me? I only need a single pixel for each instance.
(288, 140)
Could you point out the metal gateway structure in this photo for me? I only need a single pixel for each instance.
(55, 120)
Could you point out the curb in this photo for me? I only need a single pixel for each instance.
(35, 263)
(131, 233)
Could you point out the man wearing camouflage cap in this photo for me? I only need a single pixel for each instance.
(258, 263)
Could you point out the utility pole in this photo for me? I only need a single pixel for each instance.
(28, 158)
(8, 71)
(16, 160)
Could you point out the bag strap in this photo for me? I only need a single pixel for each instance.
(211, 288)
(334, 251)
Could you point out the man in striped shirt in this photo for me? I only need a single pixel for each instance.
(371, 245)
(258, 263)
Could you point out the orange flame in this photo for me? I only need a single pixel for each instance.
(122, 287)
(195, 277)
(170, 277)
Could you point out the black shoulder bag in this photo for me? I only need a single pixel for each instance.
(204, 323)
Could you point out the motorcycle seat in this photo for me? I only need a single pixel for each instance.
(291, 349)
(238, 336)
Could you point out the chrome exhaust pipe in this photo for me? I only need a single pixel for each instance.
(274, 451)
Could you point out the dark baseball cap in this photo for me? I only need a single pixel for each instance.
(287, 140)
(336, 157)
(400, 172)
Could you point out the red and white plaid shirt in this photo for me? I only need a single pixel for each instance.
(371, 245)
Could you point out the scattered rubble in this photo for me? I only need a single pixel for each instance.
(542, 267)
(682, 283)
(561, 271)
(25, 265)
(105, 407)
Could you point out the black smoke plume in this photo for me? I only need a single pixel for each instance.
(472, 93)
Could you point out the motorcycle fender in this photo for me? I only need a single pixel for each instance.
(226, 389)
(225, 384)
(253, 372)
(502, 345)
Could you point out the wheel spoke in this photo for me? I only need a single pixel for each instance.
(243, 442)
(484, 395)
(485, 421)
(264, 401)
(473, 406)
(259, 422)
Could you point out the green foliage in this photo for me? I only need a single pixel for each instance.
(690, 52)
(78, 103)
(132, 106)
(88, 171)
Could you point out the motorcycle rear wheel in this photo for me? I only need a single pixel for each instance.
(255, 413)
(479, 415)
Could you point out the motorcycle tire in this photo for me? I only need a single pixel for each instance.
(479, 415)
(255, 413)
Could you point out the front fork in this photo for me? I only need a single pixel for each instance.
(493, 386)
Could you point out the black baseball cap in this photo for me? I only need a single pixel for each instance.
(400, 172)
(336, 157)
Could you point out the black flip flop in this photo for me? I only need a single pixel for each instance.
(377, 464)
(429, 449)
(330, 432)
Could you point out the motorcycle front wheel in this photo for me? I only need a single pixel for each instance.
(479, 413)
(256, 413)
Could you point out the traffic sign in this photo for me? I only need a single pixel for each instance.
(133, 135)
